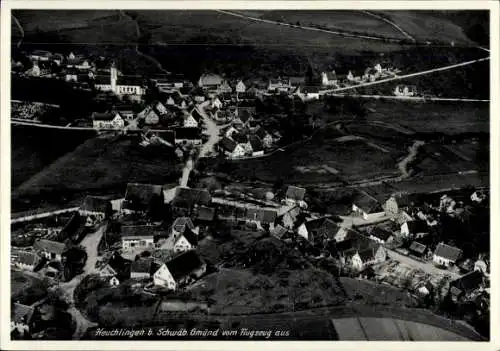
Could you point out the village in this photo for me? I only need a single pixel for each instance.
(152, 237)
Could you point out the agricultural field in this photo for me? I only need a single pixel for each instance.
(99, 165)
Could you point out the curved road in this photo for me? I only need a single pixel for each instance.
(401, 30)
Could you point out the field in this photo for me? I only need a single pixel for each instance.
(26, 289)
(100, 165)
(426, 25)
(30, 151)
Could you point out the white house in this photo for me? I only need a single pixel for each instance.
(240, 87)
(107, 120)
(164, 278)
(21, 318)
(51, 250)
(25, 259)
(405, 91)
(446, 255)
(416, 229)
(329, 78)
(192, 119)
(113, 281)
(107, 271)
(179, 270)
(137, 237)
(368, 257)
(216, 103)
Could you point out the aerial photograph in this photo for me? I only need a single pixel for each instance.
(250, 175)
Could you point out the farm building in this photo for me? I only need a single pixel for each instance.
(22, 318)
(180, 224)
(465, 285)
(139, 197)
(368, 257)
(329, 78)
(417, 249)
(107, 120)
(186, 200)
(365, 205)
(97, 207)
(138, 237)
(210, 81)
(446, 255)
(142, 268)
(51, 250)
(294, 194)
(415, 229)
(381, 236)
(25, 259)
(318, 230)
(180, 270)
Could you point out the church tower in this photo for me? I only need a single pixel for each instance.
(114, 77)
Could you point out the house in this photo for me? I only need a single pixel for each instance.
(51, 250)
(319, 230)
(187, 199)
(40, 55)
(231, 148)
(149, 115)
(25, 259)
(481, 266)
(368, 257)
(396, 203)
(308, 93)
(170, 101)
(418, 249)
(185, 241)
(405, 90)
(260, 215)
(139, 197)
(113, 281)
(216, 103)
(188, 136)
(355, 78)
(415, 229)
(71, 75)
(381, 236)
(210, 81)
(244, 118)
(364, 205)
(224, 88)
(279, 231)
(446, 255)
(267, 139)
(290, 217)
(230, 131)
(125, 112)
(240, 87)
(462, 287)
(21, 318)
(297, 81)
(478, 196)
(257, 145)
(116, 266)
(142, 268)
(107, 271)
(97, 208)
(352, 242)
(329, 78)
(205, 216)
(279, 85)
(180, 270)
(138, 237)
(180, 224)
(294, 194)
(107, 120)
(371, 75)
(193, 119)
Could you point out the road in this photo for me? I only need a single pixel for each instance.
(90, 243)
(343, 34)
(412, 154)
(186, 172)
(409, 98)
(212, 130)
(30, 217)
(416, 74)
(426, 267)
(408, 36)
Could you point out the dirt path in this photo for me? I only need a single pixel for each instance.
(90, 243)
(406, 34)
(138, 31)
(403, 164)
(343, 34)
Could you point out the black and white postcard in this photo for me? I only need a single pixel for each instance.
(265, 172)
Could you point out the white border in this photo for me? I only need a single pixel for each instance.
(6, 344)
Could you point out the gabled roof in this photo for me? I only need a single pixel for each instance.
(184, 264)
(49, 246)
(261, 215)
(244, 115)
(95, 204)
(206, 214)
(102, 116)
(380, 233)
(256, 143)
(141, 194)
(190, 236)
(22, 313)
(187, 197)
(196, 115)
(331, 75)
(417, 247)
(367, 254)
(25, 257)
(353, 242)
(240, 138)
(181, 223)
(279, 231)
(130, 80)
(210, 79)
(260, 132)
(295, 193)
(468, 282)
(417, 226)
(449, 252)
(366, 203)
(297, 80)
(187, 133)
(322, 228)
(118, 263)
(228, 144)
(142, 265)
(138, 231)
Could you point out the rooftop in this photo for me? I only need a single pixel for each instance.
(295, 193)
(49, 246)
(449, 252)
(184, 264)
(138, 231)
